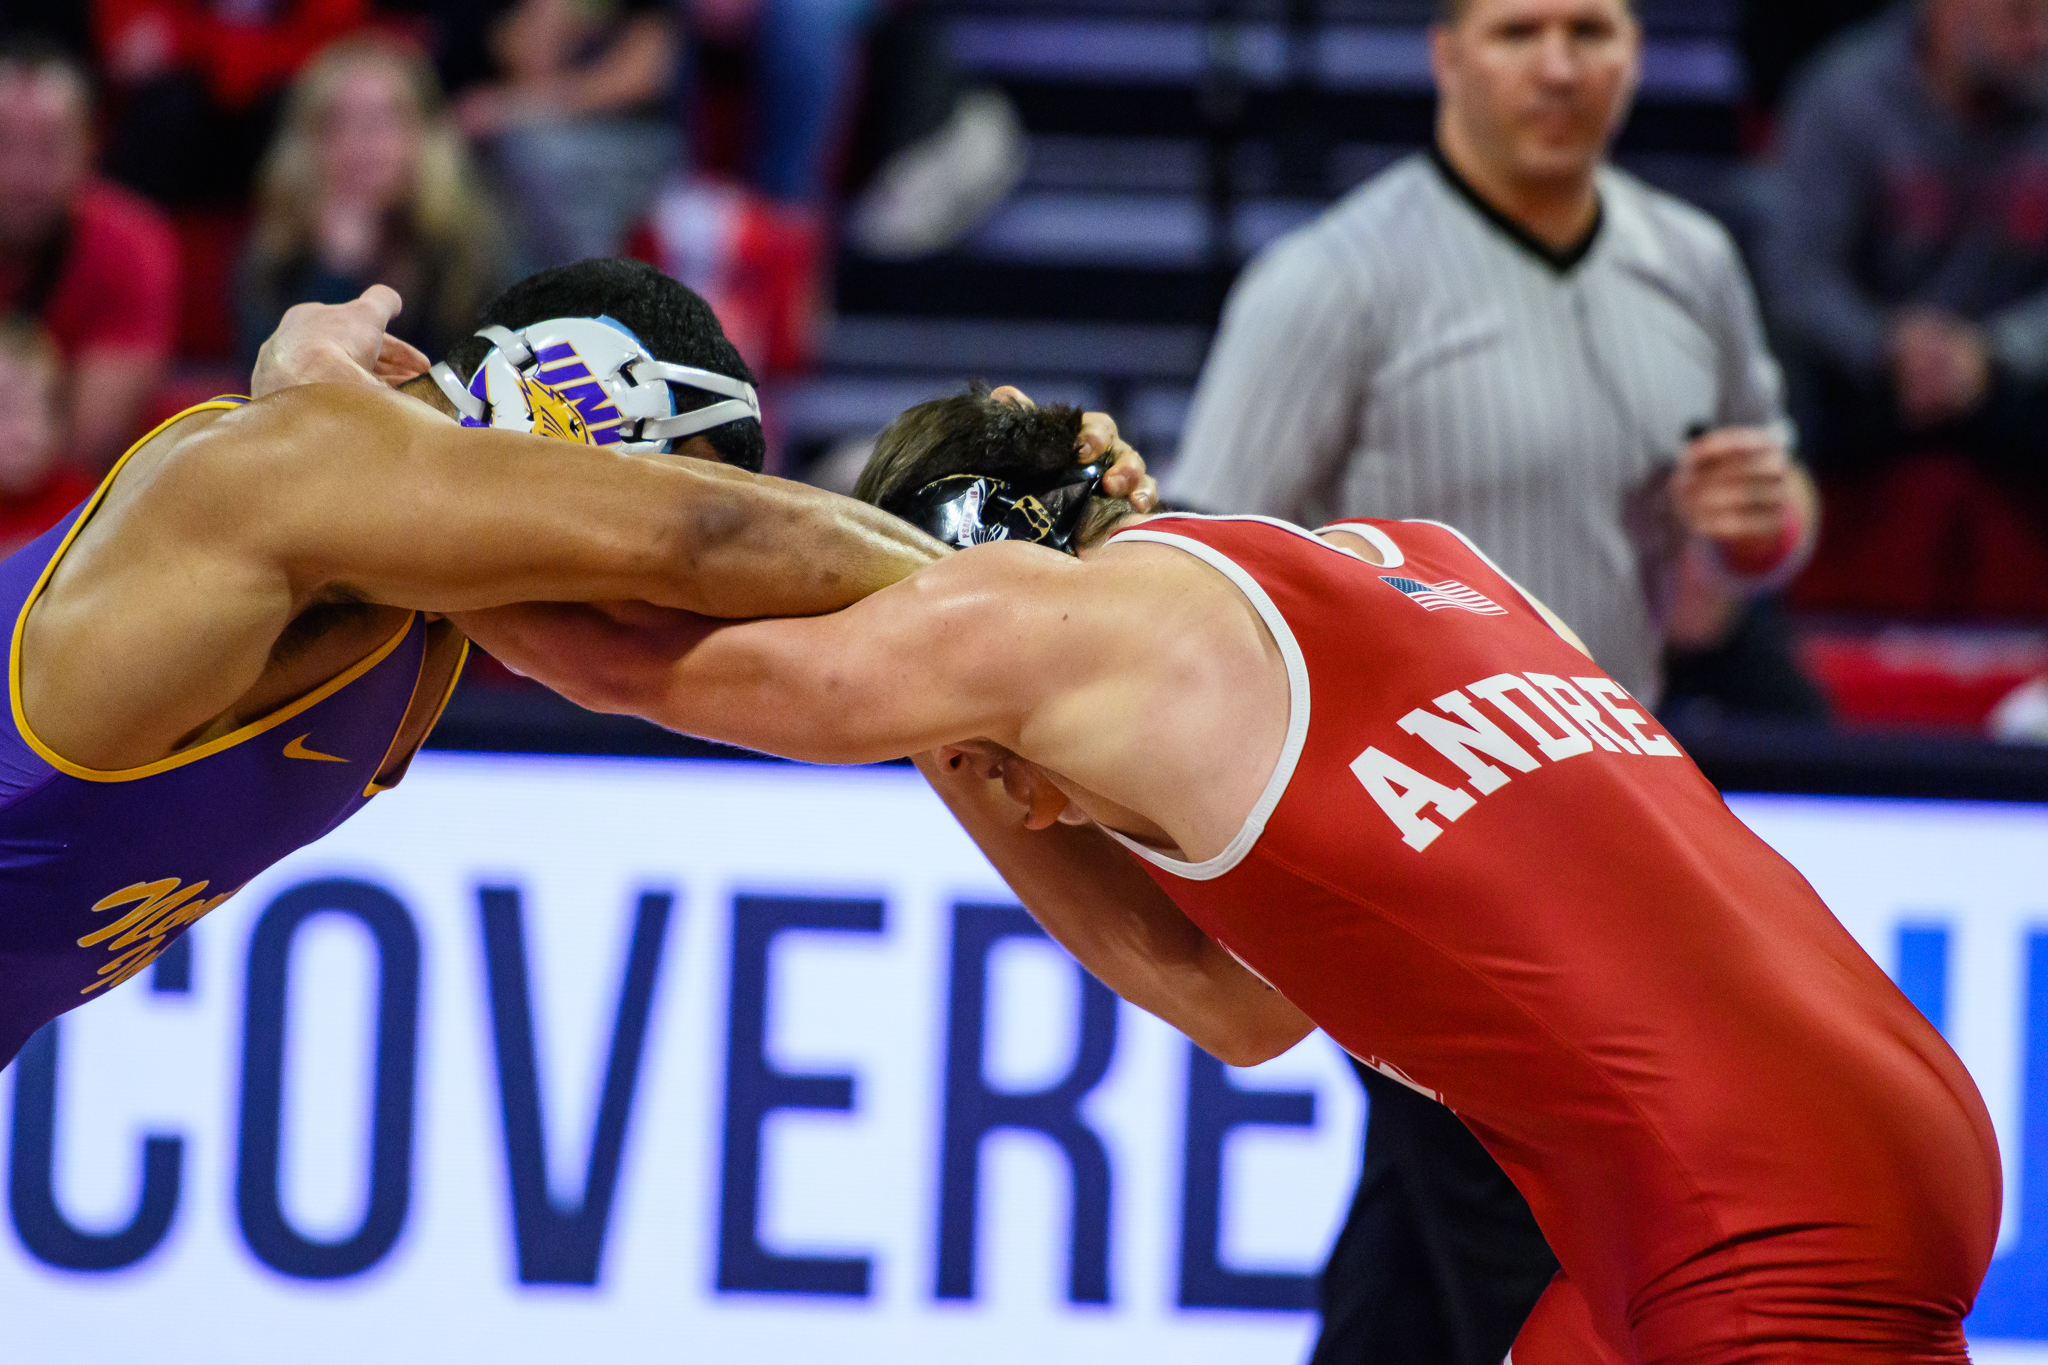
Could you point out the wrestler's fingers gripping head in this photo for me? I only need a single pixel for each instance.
(973, 468)
(399, 362)
(381, 301)
(1129, 479)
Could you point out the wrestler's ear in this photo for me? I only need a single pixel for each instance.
(983, 760)
(1044, 803)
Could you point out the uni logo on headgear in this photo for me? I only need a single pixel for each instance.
(592, 381)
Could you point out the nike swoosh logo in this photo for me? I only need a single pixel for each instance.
(297, 749)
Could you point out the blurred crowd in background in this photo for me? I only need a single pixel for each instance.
(179, 172)
(174, 174)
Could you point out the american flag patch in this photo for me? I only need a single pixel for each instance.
(1449, 595)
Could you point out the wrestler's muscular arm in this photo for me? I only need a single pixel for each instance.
(957, 652)
(1034, 652)
(378, 493)
(170, 606)
(1092, 897)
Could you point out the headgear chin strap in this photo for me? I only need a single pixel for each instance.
(963, 510)
(590, 380)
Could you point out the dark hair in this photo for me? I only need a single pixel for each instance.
(669, 317)
(972, 433)
(32, 53)
(25, 339)
(1452, 11)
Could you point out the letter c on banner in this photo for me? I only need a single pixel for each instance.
(265, 1228)
(44, 1229)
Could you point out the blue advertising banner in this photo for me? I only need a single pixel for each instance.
(544, 1059)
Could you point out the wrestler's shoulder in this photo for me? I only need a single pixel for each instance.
(1014, 581)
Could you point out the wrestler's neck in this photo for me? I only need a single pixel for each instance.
(1558, 209)
(427, 391)
(1101, 539)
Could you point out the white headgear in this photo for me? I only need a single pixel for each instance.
(589, 380)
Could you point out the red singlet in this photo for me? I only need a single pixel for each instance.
(1483, 868)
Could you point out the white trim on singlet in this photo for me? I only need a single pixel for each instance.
(1379, 540)
(1535, 605)
(1393, 555)
(1387, 1069)
(1297, 702)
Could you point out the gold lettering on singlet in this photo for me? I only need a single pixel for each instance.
(135, 939)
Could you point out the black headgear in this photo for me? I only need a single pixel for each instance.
(963, 510)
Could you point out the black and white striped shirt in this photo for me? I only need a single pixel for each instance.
(1412, 354)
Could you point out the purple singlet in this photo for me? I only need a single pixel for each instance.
(100, 871)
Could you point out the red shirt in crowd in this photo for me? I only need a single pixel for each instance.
(24, 517)
(118, 287)
(243, 59)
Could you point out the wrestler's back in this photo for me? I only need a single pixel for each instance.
(1716, 1103)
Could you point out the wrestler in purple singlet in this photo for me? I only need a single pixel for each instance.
(101, 871)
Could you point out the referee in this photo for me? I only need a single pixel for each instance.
(1508, 335)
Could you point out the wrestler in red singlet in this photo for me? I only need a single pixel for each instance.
(1486, 870)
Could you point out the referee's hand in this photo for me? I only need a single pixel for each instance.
(1740, 488)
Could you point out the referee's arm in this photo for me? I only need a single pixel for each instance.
(1752, 394)
(1276, 409)
(1750, 383)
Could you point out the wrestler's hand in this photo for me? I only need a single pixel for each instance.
(1941, 366)
(320, 343)
(1126, 478)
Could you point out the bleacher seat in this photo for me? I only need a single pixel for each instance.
(1927, 538)
(1171, 139)
(209, 250)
